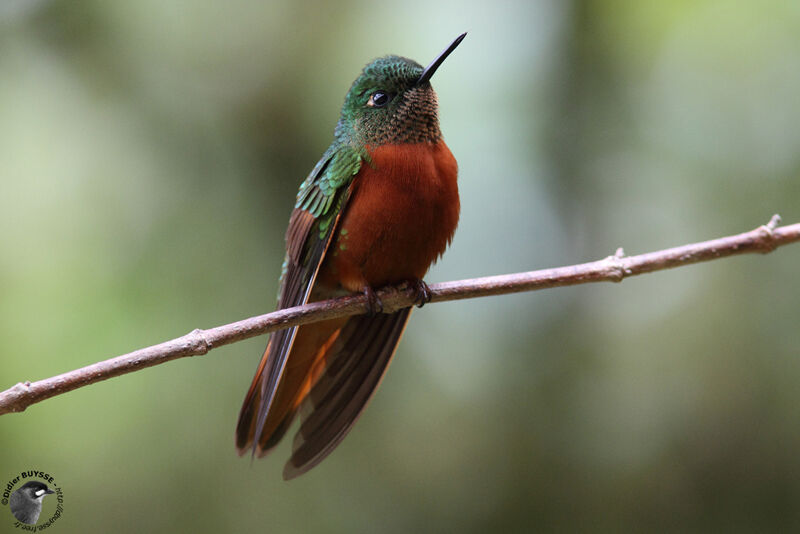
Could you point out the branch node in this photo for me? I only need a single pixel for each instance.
(617, 271)
(19, 394)
(767, 242)
(197, 337)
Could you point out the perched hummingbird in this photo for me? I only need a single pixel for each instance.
(379, 208)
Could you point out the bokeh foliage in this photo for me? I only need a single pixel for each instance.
(149, 156)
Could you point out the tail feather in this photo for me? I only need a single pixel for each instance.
(302, 366)
(356, 364)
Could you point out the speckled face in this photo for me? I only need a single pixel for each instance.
(385, 105)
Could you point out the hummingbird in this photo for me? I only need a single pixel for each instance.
(378, 209)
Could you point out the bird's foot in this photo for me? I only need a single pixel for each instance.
(374, 304)
(422, 293)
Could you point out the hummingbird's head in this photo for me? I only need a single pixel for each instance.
(392, 102)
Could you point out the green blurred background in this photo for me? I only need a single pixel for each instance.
(149, 156)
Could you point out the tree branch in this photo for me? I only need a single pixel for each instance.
(611, 269)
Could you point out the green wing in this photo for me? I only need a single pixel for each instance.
(320, 202)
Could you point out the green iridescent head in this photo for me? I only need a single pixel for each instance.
(392, 102)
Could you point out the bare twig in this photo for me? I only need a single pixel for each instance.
(611, 269)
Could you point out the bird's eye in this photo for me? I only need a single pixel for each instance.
(378, 99)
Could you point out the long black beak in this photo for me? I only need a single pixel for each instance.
(430, 69)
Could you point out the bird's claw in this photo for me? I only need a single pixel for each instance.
(422, 293)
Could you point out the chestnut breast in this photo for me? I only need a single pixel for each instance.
(401, 215)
